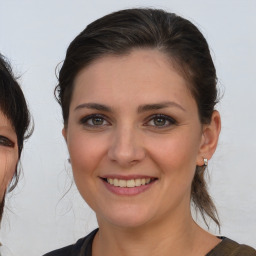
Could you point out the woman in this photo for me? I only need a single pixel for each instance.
(137, 90)
(14, 123)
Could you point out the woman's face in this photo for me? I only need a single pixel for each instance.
(8, 153)
(134, 138)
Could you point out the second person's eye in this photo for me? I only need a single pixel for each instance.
(6, 142)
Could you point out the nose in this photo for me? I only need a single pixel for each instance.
(126, 147)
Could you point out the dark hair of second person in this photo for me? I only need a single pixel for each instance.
(13, 108)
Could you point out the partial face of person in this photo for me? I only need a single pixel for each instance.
(8, 153)
(134, 138)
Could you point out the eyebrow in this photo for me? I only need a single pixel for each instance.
(142, 108)
(96, 106)
(157, 106)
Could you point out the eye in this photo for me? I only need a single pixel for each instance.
(6, 142)
(94, 120)
(160, 121)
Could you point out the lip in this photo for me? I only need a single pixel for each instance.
(127, 191)
(126, 177)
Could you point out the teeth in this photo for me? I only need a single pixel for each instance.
(138, 182)
(128, 183)
(116, 183)
(122, 183)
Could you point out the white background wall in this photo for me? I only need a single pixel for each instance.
(35, 34)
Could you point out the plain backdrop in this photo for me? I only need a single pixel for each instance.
(43, 213)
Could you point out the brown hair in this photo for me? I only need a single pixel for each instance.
(120, 32)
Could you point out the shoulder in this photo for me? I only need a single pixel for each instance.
(60, 252)
(67, 250)
(83, 244)
(232, 248)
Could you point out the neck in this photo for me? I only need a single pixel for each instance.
(179, 237)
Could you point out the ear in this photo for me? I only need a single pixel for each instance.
(64, 133)
(209, 141)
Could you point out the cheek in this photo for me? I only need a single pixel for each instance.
(175, 157)
(176, 154)
(8, 162)
(85, 152)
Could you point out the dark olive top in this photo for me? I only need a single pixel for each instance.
(231, 248)
(83, 247)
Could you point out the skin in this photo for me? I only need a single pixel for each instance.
(8, 153)
(128, 139)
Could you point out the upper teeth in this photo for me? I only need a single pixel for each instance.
(128, 183)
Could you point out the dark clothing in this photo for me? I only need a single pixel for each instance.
(83, 247)
(229, 247)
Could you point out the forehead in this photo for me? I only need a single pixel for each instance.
(142, 70)
(145, 58)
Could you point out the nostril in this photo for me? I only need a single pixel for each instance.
(126, 148)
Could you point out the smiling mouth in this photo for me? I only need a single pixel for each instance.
(132, 183)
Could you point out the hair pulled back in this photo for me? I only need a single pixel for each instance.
(120, 32)
(13, 106)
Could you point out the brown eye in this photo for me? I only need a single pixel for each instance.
(97, 121)
(160, 121)
(94, 120)
(6, 142)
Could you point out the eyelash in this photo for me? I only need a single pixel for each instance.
(6, 142)
(165, 118)
(85, 121)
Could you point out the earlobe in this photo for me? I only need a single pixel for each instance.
(210, 138)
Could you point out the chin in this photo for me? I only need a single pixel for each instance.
(127, 222)
(125, 218)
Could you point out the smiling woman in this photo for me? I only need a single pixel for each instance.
(14, 123)
(138, 90)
